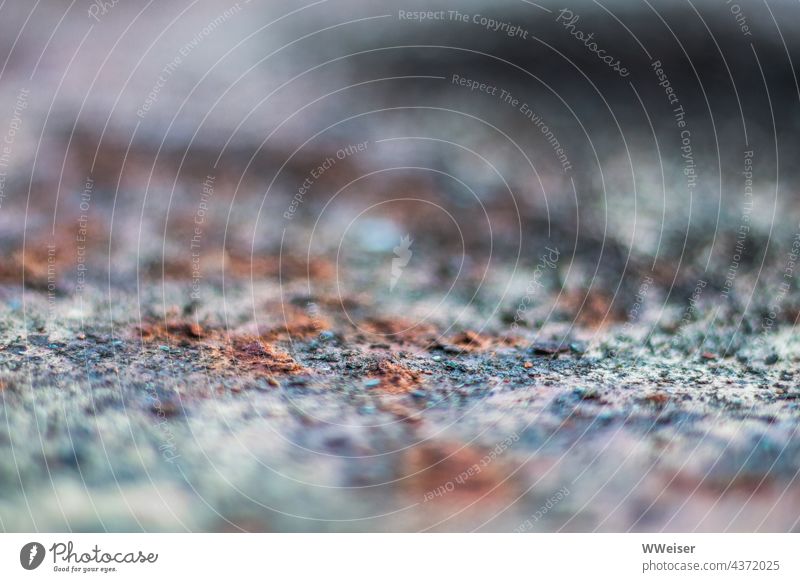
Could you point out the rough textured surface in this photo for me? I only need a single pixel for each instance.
(447, 332)
(184, 420)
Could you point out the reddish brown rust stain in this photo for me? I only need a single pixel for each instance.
(245, 265)
(399, 330)
(223, 353)
(241, 265)
(298, 325)
(261, 358)
(593, 308)
(396, 378)
(469, 340)
(174, 330)
(49, 255)
(466, 472)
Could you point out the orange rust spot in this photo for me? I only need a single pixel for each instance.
(299, 325)
(396, 378)
(262, 358)
(236, 354)
(172, 330)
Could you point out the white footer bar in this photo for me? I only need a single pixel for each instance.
(389, 557)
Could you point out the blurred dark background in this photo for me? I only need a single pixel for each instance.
(149, 99)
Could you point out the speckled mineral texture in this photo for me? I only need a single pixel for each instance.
(269, 408)
(425, 339)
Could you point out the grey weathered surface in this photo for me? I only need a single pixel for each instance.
(596, 349)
